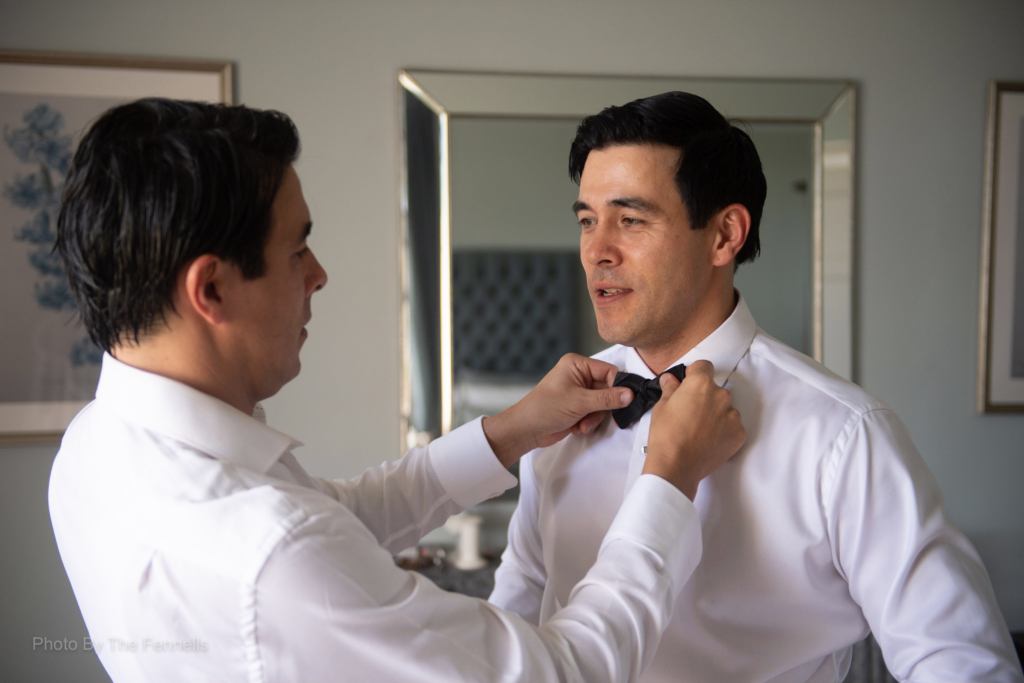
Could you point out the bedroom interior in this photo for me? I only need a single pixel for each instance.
(919, 72)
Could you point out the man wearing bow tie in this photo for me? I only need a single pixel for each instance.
(825, 526)
(197, 546)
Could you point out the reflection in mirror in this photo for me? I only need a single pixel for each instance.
(836, 248)
(519, 295)
(421, 272)
(494, 292)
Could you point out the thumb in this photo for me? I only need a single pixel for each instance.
(595, 400)
(669, 384)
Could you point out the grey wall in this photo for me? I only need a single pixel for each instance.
(36, 600)
(922, 67)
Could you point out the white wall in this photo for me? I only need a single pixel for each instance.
(922, 67)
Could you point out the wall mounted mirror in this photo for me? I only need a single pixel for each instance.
(493, 292)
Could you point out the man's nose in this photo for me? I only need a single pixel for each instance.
(598, 247)
(317, 278)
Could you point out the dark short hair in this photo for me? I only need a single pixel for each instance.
(155, 184)
(718, 163)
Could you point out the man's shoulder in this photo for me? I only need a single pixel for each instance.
(785, 366)
(184, 503)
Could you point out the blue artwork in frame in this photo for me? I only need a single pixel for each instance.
(48, 365)
(47, 355)
(41, 143)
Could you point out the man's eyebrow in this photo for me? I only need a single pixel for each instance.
(635, 203)
(305, 231)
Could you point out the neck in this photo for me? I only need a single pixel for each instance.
(659, 357)
(191, 359)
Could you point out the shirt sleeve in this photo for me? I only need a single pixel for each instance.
(919, 581)
(331, 604)
(520, 579)
(401, 501)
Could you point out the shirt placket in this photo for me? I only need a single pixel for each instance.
(638, 456)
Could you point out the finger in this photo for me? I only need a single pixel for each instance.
(701, 367)
(552, 439)
(596, 368)
(591, 422)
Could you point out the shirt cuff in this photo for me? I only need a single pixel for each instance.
(467, 466)
(660, 517)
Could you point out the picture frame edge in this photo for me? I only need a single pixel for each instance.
(984, 404)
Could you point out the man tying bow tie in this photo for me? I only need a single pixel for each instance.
(825, 526)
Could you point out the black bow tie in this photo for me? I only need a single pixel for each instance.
(646, 393)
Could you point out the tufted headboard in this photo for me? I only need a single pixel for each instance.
(512, 310)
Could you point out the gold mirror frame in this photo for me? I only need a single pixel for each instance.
(827, 105)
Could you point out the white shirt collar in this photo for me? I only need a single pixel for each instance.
(176, 410)
(724, 347)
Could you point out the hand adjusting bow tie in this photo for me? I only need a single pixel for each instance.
(646, 393)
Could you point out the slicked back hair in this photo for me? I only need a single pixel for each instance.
(718, 163)
(155, 184)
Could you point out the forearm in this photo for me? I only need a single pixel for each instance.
(334, 604)
(625, 601)
(401, 501)
(520, 579)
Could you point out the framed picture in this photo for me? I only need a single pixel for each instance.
(48, 365)
(1001, 329)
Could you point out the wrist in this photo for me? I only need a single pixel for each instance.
(506, 438)
(686, 482)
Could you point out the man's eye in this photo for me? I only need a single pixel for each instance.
(586, 222)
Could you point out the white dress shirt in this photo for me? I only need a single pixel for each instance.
(826, 524)
(200, 550)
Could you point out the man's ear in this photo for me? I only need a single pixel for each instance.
(205, 281)
(731, 226)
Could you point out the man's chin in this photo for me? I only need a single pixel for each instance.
(614, 334)
(271, 389)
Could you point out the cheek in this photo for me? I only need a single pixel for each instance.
(672, 271)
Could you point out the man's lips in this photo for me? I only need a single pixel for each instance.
(608, 293)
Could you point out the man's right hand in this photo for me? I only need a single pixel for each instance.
(573, 398)
(694, 429)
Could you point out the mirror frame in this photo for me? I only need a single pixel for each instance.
(451, 94)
